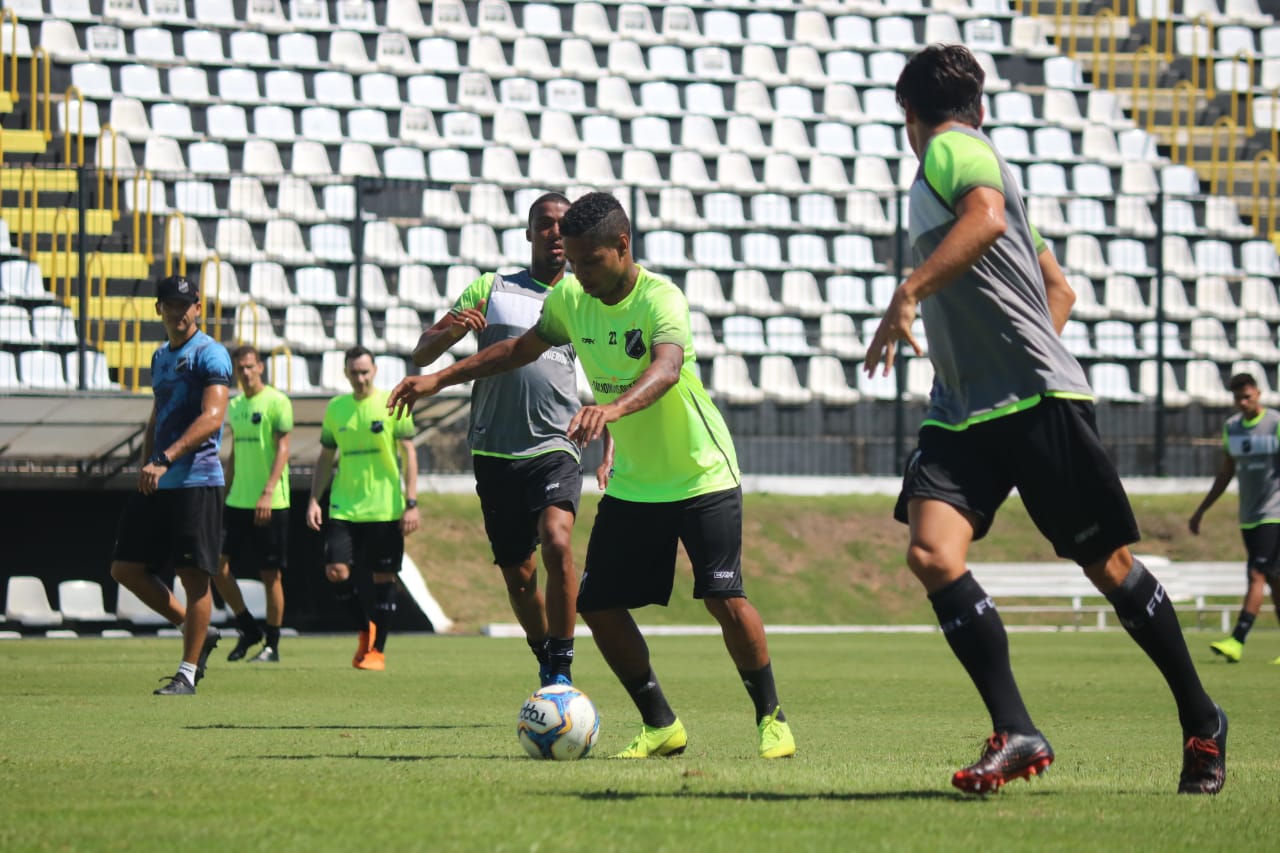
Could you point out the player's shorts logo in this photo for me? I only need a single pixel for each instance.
(635, 343)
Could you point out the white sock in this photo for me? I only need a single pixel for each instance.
(189, 670)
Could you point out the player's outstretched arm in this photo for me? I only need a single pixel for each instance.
(447, 331)
(658, 378)
(1226, 470)
(499, 358)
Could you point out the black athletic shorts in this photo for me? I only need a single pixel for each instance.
(631, 558)
(251, 548)
(377, 546)
(514, 492)
(1052, 454)
(1262, 543)
(171, 529)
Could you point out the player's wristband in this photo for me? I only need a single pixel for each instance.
(161, 459)
(410, 503)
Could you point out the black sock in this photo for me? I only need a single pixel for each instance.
(1244, 624)
(247, 624)
(348, 595)
(650, 702)
(976, 634)
(539, 649)
(384, 607)
(762, 690)
(1148, 615)
(560, 655)
(273, 636)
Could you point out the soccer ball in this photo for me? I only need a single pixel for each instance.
(558, 723)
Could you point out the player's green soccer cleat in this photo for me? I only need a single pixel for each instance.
(1276, 662)
(775, 737)
(1230, 648)
(665, 741)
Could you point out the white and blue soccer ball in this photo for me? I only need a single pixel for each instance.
(558, 723)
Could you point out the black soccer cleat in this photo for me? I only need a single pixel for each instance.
(267, 655)
(243, 644)
(211, 638)
(1005, 757)
(177, 686)
(1204, 761)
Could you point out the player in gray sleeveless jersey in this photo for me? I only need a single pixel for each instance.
(1251, 454)
(528, 472)
(1010, 407)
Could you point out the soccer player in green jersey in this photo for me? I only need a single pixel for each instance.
(528, 472)
(675, 475)
(1010, 407)
(373, 501)
(255, 525)
(1251, 451)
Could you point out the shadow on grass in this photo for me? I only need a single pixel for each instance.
(416, 727)
(774, 796)
(389, 758)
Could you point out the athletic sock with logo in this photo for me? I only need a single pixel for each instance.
(647, 694)
(348, 595)
(762, 690)
(1244, 624)
(559, 652)
(976, 634)
(1148, 615)
(384, 608)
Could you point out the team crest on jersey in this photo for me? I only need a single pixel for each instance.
(182, 365)
(634, 345)
(256, 417)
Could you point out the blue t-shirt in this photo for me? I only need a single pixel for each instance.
(178, 379)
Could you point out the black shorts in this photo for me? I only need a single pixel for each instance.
(376, 546)
(1262, 543)
(251, 548)
(631, 558)
(514, 492)
(171, 529)
(1052, 454)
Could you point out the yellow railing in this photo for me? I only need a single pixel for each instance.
(107, 135)
(9, 70)
(181, 220)
(1264, 216)
(248, 308)
(96, 269)
(131, 317)
(141, 247)
(1206, 22)
(283, 350)
(1183, 86)
(1167, 53)
(46, 111)
(1227, 160)
(28, 174)
(216, 293)
(1275, 121)
(1235, 89)
(1153, 74)
(62, 217)
(79, 134)
(1113, 24)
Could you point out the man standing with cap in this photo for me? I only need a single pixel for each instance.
(173, 522)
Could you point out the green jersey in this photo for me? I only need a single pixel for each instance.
(677, 448)
(255, 422)
(366, 486)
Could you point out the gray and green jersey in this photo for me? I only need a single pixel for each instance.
(523, 412)
(1254, 446)
(991, 337)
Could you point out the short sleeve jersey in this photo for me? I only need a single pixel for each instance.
(677, 448)
(991, 337)
(255, 422)
(178, 379)
(1254, 447)
(366, 486)
(523, 412)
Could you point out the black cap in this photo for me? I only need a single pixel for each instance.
(178, 287)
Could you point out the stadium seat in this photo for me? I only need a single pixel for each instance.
(750, 293)
(1110, 381)
(877, 386)
(1209, 340)
(27, 603)
(828, 383)
(1075, 337)
(1173, 393)
(1115, 339)
(9, 379)
(129, 608)
(391, 369)
(703, 336)
(731, 381)
(838, 335)
(779, 382)
(744, 335)
(53, 325)
(344, 329)
(786, 335)
(416, 286)
(1213, 298)
(1255, 340)
(81, 601)
(220, 284)
(304, 329)
(43, 370)
(290, 373)
(97, 376)
(800, 294)
(15, 326)
(1205, 383)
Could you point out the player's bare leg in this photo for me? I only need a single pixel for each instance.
(555, 531)
(743, 632)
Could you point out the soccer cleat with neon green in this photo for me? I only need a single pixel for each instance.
(776, 740)
(1276, 662)
(1230, 648)
(662, 742)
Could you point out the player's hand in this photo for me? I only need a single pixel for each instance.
(262, 511)
(409, 521)
(314, 515)
(1194, 524)
(589, 422)
(409, 390)
(472, 319)
(894, 326)
(604, 472)
(149, 478)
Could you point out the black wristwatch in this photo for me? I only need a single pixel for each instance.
(410, 503)
(159, 458)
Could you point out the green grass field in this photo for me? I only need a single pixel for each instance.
(313, 755)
